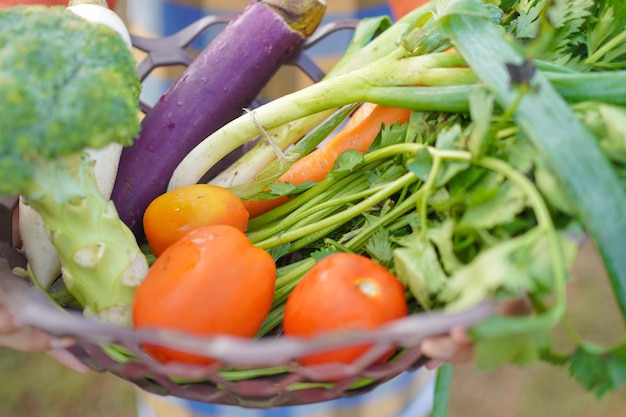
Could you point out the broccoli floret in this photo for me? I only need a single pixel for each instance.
(68, 85)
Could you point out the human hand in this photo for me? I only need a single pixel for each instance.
(457, 347)
(16, 336)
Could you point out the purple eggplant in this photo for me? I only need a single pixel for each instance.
(214, 89)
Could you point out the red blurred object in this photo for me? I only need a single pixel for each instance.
(11, 3)
(401, 7)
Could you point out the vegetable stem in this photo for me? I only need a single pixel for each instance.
(341, 217)
(606, 48)
(382, 221)
(102, 264)
(545, 225)
(425, 191)
(442, 390)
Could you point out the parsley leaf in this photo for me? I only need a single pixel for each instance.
(553, 28)
(604, 45)
(597, 369)
(507, 202)
(502, 267)
(390, 135)
(347, 161)
(418, 267)
(379, 247)
(279, 189)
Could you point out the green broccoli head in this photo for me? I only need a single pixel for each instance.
(66, 84)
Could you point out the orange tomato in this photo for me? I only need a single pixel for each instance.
(211, 281)
(343, 292)
(174, 213)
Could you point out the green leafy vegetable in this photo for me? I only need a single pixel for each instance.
(552, 126)
(492, 194)
(418, 266)
(488, 197)
(598, 369)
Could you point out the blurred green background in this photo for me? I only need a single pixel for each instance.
(33, 385)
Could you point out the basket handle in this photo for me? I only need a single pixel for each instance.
(172, 50)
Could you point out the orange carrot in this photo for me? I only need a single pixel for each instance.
(357, 134)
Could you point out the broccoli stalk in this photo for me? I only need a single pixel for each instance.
(69, 85)
(101, 262)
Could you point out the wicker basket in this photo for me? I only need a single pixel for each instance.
(277, 379)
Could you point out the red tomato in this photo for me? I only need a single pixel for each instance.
(211, 281)
(343, 292)
(174, 213)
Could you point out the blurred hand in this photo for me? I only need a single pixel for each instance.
(15, 336)
(457, 347)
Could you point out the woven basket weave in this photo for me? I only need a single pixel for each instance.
(278, 379)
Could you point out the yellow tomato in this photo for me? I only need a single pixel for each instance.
(176, 212)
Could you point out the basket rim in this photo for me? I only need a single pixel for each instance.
(31, 307)
(284, 381)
